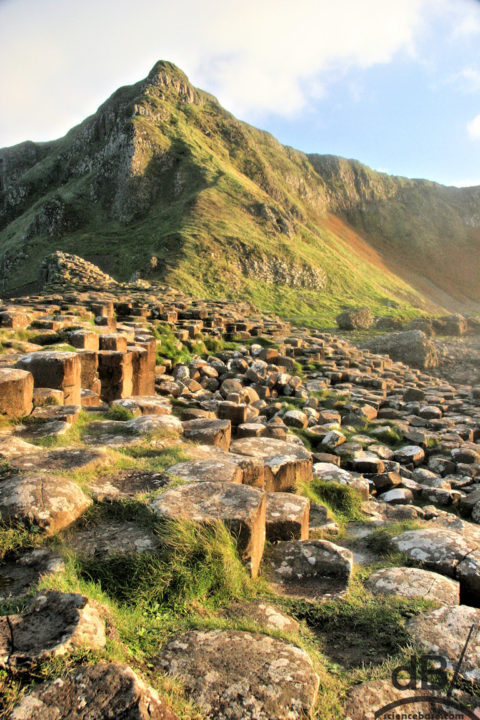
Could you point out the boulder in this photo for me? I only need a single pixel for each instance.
(435, 549)
(232, 675)
(145, 405)
(84, 340)
(355, 319)
(411, 347)
(146, 424)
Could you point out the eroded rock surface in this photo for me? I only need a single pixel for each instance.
(235, 675)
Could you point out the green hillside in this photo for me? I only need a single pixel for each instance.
(162, 181)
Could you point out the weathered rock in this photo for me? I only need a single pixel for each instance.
(16, 392)
(410, 454)
(38, 499)
(235, 412)
(116, 374)
(286, 464)
(444, 632)
(53, 624)
(125, 485)
(60, 460)
(111, 537)
(367, 699)
(240, 507)
(94, 692)
(11, 446)
(355, 319)
(58, 370)
(434, 549)
(207, 471)
(146, 424)
(296, 419)
(309, 568)
(145, 404)
(236, 675)
(47, 396)
(397, 496)
(20, 574)
(412, 347)
(209, 432)
(263, 614)
(287, 516)
(414, 582)
(84, 340)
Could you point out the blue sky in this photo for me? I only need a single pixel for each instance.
(393, 83)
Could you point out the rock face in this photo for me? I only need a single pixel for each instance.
(96, 692)
(53, 624)
(411, 347)
(41, 500)
(237, 675)
(239, 507)
(16, 392)
(355, 319)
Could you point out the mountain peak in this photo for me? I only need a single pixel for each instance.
(167, 76)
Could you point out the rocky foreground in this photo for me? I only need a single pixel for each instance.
(207, 513)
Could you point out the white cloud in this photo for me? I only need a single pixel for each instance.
(61, 58)
(469, 79)
(473, 128)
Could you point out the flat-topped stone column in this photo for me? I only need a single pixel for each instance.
(115, 371)
(16, 392)
(58, 370)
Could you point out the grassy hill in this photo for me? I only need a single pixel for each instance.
(164, 182)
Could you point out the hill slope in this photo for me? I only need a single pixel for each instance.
(163, 181)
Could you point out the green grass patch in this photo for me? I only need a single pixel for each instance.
(379, 541)
(343, 501)
(361, 629)
(118, 412)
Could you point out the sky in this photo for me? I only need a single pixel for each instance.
(392, 83)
